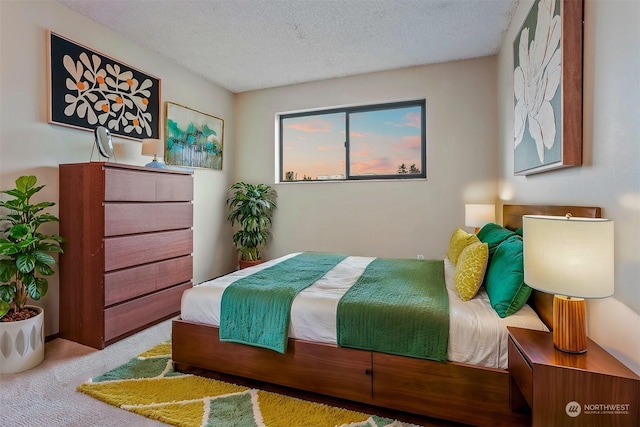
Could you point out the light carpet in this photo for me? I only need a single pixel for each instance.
(148, 385)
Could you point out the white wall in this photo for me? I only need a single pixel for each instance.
(610, 175)
(29, 145)
(382, 218)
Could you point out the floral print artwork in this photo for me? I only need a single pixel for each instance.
(537, 76)
(89, 90)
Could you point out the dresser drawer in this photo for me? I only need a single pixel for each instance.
(126, 317)
(128, 251)
(521, 372)
(123, 185)
(132, 218)
(122, 285)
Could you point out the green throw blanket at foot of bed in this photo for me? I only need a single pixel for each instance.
(255, 310)
(397, 306)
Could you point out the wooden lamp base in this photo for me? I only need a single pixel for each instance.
(569, 324)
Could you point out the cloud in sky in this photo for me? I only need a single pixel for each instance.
(411, 142)
(377, 166)
(411, 119)
(312, 125)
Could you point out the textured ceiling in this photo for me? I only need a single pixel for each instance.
(244, 45)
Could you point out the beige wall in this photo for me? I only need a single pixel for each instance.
(382, 218)
(610, 176)
(29, 145)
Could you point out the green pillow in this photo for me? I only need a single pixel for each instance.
(494, 234)
(504, 279)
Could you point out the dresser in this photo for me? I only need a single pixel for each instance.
(128, 248)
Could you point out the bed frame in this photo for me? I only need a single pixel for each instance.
(451, 391)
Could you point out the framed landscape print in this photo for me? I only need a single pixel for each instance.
(88, 89)
(193, 138)
(547, 54)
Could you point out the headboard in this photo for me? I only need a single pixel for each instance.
(541, 302)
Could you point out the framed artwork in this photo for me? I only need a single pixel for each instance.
(88, 89)
(193, 138)
(547, 80)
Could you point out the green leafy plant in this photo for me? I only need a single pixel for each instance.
(251, 207)
(24, 252)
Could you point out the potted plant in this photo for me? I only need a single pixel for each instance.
(24, 261)
(251, 207)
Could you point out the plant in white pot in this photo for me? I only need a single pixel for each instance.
(25, 260)
(251, 206)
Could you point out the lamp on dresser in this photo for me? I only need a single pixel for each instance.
(478, 215)
(572, 258)
(155, 148)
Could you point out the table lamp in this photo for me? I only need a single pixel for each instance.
(155, 148)
(478, 215)
(573, 259)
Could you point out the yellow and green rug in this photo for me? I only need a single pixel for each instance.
(148, 385)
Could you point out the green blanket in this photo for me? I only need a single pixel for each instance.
(256, 310)
(397, 306)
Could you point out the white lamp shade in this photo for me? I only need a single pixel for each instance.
(152, 147)
(479, 215)
(569, 256)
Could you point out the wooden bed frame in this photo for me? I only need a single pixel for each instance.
(452, 391)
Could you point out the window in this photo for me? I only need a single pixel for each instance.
(383, 141)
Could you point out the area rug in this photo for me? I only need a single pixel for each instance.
(148, 385)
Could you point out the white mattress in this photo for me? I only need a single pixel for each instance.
(477, 335)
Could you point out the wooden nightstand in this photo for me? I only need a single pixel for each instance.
(562, 389)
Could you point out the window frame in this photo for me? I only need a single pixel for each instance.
(421, 103)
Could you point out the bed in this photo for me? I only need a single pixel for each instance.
(472, 386)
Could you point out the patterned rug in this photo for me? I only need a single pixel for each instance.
(148, 385)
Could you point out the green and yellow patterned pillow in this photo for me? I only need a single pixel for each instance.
(460, 239)
(469, 274)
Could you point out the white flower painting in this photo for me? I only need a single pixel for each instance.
(89, 90)
(537, 90)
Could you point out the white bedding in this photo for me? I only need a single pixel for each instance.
(477, 335)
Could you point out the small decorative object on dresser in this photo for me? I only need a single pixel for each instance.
(155, 148)
(24, 261)
(563, 389)
(104, 143)
(129, 252)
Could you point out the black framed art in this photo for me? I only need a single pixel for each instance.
(89, 89)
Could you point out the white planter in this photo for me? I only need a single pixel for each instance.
(22, 343)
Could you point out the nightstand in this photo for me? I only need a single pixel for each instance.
(563, 389)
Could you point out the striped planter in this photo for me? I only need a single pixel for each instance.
(22, 343)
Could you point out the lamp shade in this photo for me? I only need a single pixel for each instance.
(152, 147)
(569, 256)
(479, 215)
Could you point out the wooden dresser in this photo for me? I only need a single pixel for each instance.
(127, 255)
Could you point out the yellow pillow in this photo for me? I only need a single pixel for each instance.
(460, 239)
(472, 264)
